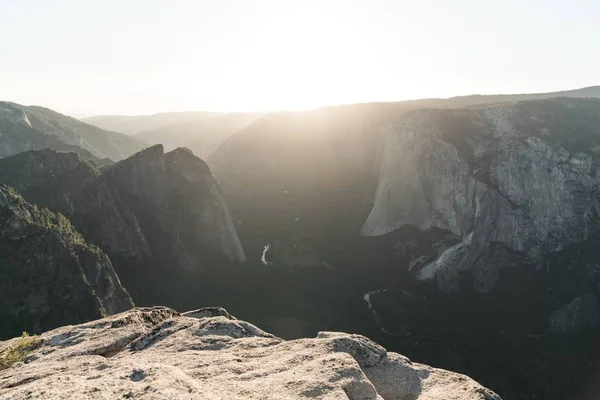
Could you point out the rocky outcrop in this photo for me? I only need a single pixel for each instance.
(523, 177)
(158, 353)
(49, 276)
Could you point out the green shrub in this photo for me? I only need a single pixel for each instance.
(17, 352)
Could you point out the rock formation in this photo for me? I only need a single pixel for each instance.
(156, 215)
(154, 203)
(49, 276)
(158, 353)
(523, 177)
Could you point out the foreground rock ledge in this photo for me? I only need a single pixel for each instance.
(158, 353)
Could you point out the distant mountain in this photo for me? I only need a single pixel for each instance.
(465, 101)
(291, 167)
(49, 275)
(31, 127)
(204, 132)
(160, 216)
(134, 124)
(203, 136)
(201, 132)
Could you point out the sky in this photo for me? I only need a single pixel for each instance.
(141, 57)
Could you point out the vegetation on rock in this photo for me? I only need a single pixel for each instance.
(16, 352)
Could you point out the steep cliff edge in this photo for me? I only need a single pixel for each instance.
(519, 179)
(159, 353)
(159, 205)
(49, 276)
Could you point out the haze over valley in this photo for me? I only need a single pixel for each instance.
(340, 200)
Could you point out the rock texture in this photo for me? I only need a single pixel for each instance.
(523, 177)
(158, 353)
(49, 276)
(28, 127)
(155, 203)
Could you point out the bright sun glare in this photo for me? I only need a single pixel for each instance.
(261, 55)
(301, 66)
(300, 59)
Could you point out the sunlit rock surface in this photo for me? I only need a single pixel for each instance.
(523, 177)
(157, 353)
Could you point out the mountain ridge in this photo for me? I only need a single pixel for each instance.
(135, 124)
(156, 214)
(42, 127)
(203, 136)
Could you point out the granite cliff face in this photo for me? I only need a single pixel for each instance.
(309, 178)
(159, 353)
(519, 179)
(49, 276)
(155, 203)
